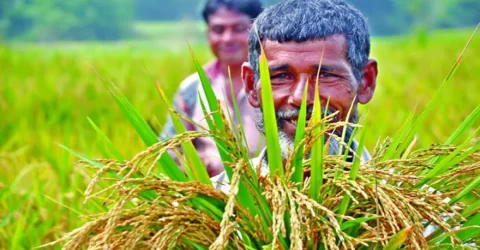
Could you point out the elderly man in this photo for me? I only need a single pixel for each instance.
(293, 34)
(229, 22)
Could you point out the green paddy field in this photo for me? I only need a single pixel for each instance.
(49, 93)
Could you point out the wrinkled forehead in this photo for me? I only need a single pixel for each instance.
(333, 42)
(332, 49)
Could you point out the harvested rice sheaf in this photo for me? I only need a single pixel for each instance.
(149, 210)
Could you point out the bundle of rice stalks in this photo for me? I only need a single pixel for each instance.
(401, 197)
(389, 205)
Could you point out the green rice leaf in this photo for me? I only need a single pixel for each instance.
(195, 169)
(273, 145)
(468, 230)
(83, 157)
(412, 130)
(242, 137)
(243, 196)
(398, 239)
(399, 138)
(471, 208)
(69, 208)
(474, 231)
(112, 173)
(348, 224)
(354, 169)
(474, 184)
(213, 108)
(359, 152)
(350, 142)
(207, 204)
(297, 176)
(452, 159)
(140, 125)
(220, 144)
(316, 174)
(263, 208)
(344, 131)
(209, 94)
(207, 118)
(196, 245)
(465, 126)
(168, 165)
(106, 141)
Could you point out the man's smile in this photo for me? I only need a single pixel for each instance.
(293, 121)
(289, 124)
(288, 120)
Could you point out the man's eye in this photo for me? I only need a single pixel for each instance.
(281, 76)
(240, 28)
(326, 74)
(217, 29)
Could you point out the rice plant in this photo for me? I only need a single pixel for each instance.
(402, 198)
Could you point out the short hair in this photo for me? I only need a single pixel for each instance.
(251, 8)
(303, 20)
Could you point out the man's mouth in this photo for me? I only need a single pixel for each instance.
(290, 123)
(230, 48)
(293, 121)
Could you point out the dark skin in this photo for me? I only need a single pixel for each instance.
(292, 65)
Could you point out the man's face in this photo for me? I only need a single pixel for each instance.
(228, 36)
(293, 64)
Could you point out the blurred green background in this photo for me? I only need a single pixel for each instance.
(50, 20)
(57, 59)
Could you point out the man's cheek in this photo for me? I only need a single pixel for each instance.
(280, 96)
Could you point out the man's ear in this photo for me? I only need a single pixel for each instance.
(369, 81)
(248, 77)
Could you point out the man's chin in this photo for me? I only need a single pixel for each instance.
(287, 145)
(232, 59)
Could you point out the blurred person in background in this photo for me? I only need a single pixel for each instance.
(229, 22)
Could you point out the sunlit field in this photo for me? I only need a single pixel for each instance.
(51, 95)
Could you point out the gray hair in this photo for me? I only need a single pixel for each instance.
(251, 8)
(303, 20)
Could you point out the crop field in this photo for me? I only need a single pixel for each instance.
(51, 94)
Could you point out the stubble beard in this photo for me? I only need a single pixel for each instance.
(287, 144)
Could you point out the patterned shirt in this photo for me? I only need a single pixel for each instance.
(186, 101)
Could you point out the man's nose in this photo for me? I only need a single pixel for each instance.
(297, 93)
(227, 35)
